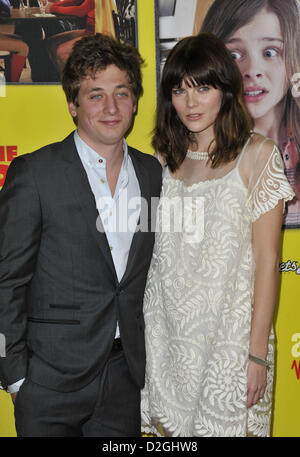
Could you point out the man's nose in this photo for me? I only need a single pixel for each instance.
(111, 105)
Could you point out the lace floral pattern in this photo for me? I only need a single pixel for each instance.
(197, 310)
(272, 186)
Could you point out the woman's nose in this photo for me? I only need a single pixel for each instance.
(190, 99)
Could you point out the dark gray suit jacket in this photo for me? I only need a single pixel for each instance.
(60, 297)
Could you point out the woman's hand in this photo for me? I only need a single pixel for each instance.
(256, 383)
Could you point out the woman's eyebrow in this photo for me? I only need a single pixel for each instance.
(238, 40)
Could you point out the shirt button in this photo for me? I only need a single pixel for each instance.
(100, 160)
(111, 248)
(102, 180)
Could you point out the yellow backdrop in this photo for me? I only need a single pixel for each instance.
(32, 116)
(287, 324)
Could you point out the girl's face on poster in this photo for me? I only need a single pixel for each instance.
(258, 49)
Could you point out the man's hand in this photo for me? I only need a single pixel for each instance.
(14, 396)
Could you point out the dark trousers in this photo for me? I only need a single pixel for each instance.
(107, 407)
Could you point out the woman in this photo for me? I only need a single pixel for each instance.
(79, 8)
(35, 34)
(60, 46)
(13, 44)
(19, 52)
(264, 38)
(208, 310)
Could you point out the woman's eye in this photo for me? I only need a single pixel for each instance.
(203, 88)
(177, 91)
(270, 52)
(236, 55)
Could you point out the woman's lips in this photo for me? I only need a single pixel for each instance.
(194, 117)
(254, 94)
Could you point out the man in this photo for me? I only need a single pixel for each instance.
(70, 294)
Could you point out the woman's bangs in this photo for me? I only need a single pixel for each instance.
(193, 79)
(193, 67)
(199, 73)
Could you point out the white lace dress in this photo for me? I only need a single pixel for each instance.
(198, 303)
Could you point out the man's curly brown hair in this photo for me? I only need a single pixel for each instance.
(94, 53)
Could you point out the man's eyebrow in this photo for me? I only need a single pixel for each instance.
(119, 86)
(94, 89)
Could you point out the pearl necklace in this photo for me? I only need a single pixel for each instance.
(197, 155)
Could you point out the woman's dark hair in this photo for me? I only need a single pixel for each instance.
(201, 60)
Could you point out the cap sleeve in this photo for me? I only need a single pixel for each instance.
(268, 183)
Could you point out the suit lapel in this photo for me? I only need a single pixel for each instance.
(78, 181)
(137, 241)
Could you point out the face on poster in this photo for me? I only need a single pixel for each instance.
(37, 36)
(263, 37)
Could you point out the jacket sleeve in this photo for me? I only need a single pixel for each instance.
(20, 232)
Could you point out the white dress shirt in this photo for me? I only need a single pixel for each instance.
(119, 213)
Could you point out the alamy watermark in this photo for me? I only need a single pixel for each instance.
(2, 85)
(2, 345)
(166, 215)
(2, 349)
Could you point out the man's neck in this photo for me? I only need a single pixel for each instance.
(113, 154)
